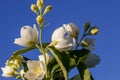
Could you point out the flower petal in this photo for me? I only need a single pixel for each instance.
(48, 57)
(26, 33)
(30, 75)
(65, 44)
(37, 69)
(72, 29)
(32, 65)
(21, 42)
(35, 34)
(58, 34)
(8, 71)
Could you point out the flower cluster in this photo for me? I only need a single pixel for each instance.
(59, 57)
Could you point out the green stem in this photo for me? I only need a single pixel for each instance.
(41, 46)
(46, 65)
(84, 35)
(43, 52)
(41, 49)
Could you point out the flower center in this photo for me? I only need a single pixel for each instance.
(37, 71)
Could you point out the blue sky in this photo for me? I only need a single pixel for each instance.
(104, 13)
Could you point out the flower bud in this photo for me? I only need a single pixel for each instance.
(84, 43)
(8, 71)
(88, 43)
(40, 4)
(47, 9)
(15, 63)
(34, 8)
(94, 31)
(86, 26)
(40, 20)
(72, 30)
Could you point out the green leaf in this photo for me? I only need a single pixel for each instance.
(61, 59)
(17, 53)
(70, 59)
(76, 77)
(52, 68)
(25, 66)
(55, 69)
(25, 58)
(84, 72)
(78, 56)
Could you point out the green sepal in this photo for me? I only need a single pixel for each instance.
(84, 72)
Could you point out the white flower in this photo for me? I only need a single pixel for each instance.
(36, 70)
(29, 36)
(90, 43)
(22, 73)
(48, 57)
(8, 71)
(63, 42)
(92, 60)
(72, 30)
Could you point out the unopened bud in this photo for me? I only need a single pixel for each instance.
(47, 9)
(84, 43)
(94, 31)
(86, 26)
(40, 20)
(40, 4)
(34, 8)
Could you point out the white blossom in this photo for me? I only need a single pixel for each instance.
(92, 60)
(63, 41)
(22, 73)
(72, 30)
(8, 71)
(48, 58)
(29, 36)
(36, 70)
